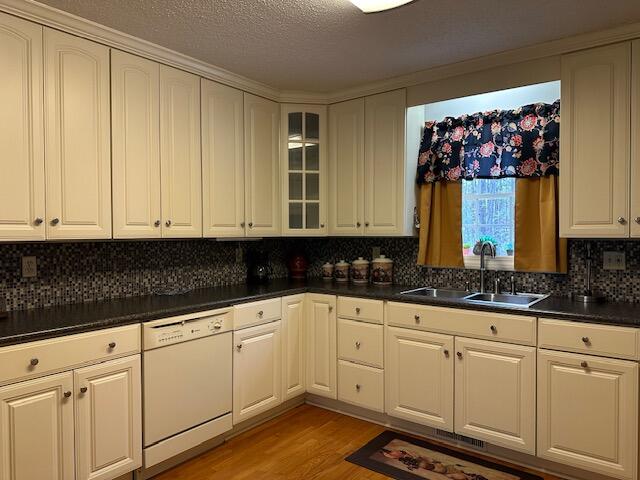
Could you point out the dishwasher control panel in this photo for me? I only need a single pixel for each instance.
(169, 331)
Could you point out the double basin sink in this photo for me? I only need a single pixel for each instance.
(522, 300)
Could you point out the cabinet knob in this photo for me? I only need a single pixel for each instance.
(494, 329)
(584, 364)
(38, 221)
(250, 224)
(34, 362)
(55, 221)
(586, 340)
(168, 223)
(366, 224)
(83, 390)
(156, 223)
(217, 326)
(417, 318)
(239, 347)
(622, 220)
(358, 310)
(67, 394)
(260, 314)
(112, 345)
(446, 352)
(322, 225)
(358, 345)
(242, 224)
(637, 220)
(459, 354)
(358, 224)
(358, 386)
(330, 308)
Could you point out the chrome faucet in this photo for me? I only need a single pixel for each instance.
(483, 268)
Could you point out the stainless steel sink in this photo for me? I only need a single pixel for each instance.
(436, 292)
(519, 300)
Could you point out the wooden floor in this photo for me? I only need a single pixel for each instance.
(306, 443)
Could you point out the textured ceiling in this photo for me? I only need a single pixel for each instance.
(327, 45)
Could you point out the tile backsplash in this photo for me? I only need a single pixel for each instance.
(89, 271)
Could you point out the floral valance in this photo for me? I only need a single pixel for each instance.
(502, 143)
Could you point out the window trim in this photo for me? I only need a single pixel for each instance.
(502, 262)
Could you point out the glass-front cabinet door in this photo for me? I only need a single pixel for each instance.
(304, 170)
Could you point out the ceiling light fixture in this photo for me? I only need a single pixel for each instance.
(372, 6)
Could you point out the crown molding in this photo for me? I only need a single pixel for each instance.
(66, 22)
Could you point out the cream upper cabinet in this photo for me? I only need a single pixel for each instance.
(495, 400)
(22, 207)
(293, 346)
(262, 166)
(135, 143)
(595, 142)
(77, 137)
(588, 412)
(635, 141)
(257, 370)
(384, 163)
(180, 159)
(304, 170)
(36, 429)
(346, 167)
(423, 395)
(222, 160)
(108, 419)
(321, 347)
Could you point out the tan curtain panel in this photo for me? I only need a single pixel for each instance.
(441, 225)
(538, 247)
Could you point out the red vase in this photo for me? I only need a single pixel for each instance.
(298, 266)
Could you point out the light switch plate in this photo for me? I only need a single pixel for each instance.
(614, 261)
(29, 267)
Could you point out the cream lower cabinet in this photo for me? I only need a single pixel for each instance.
(293, 346)
(257, 370)
(22, 208)
(422, 394)
(108, 403)
(77, 137)
(588, 412)
(321, 349)
(36, 429)
(495, 393)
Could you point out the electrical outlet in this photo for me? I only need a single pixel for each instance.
(29, 267)
(239, 254)
(375, 252)
(613, 261)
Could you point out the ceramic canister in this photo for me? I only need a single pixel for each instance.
(327, 271)
(341, 271)
(360, 270)
(382, 271)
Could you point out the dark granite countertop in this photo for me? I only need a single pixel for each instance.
(27, 325)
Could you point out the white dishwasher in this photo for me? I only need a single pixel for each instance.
(187, 377)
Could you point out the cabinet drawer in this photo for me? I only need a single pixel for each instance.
(44, 356)
(485, 325)
(361, 309)
(360, 342)
(256, 313)
(600, 340)
(361, 385)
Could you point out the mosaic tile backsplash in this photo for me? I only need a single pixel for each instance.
(90, 271)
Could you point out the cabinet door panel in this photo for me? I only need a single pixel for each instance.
(181, 168)
(222, 160)
(635, 141)
(135, 93)
(257, 370)
(21, 131)
(108, 419)
(36, 429)
(423, 395)
(588, 412)
(384, 164)
(78, 137)
(594, 147)
(293, 343)
(346, 168)
(485, 370)
(262, 165)
(322, 354)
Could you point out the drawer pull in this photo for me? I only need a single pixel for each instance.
(459, 354)
(494, 329)
(112, 345)
(358, 345)
(417, 318)
(358, 310)
(83, 390)
(586, 340)
(217, 326)
(584, 364)
(358, 386)
(260, 314)
(239, 347)
(67, 394)
(34, 362)
(446, 353)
